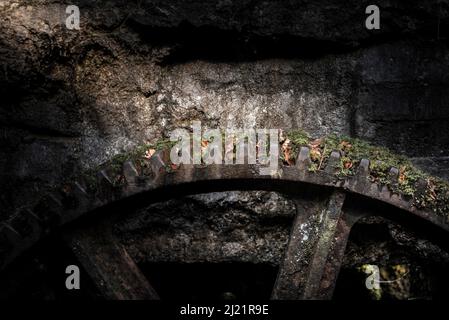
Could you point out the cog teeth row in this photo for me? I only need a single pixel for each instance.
(107, 179)
(303, 162)
(30, 224)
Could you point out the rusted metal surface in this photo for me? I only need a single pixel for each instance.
(329, 239)
(108, 264)
(313, 255)
(142, 184)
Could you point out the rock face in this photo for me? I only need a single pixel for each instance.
(216, 227)
(136, 70)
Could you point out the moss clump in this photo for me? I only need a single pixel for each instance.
(352, 151)
(436, 197)
(138, 156)
(299, 137)
(291, 143)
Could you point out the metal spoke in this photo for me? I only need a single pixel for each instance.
(314, 253)
(109, 265)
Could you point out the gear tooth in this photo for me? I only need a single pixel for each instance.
(393, 176)
(421, 187)
(76, 195)
(105, 191)
(79, 193)
(363, 168)
(130, 172)
(79, 188)
(360, 182)
(333, 162)
(10, 232)
(32, 215)
(104, 177)
(303, 160)
(54, 199)
(76, 198)
(25, 223)
(157, 162)
(48, 212)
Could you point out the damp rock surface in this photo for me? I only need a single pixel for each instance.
(217, 227)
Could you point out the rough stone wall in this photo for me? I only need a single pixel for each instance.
(216, 227)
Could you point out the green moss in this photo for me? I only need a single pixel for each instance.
(115, 164)
(299, 137)
(353, 150)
